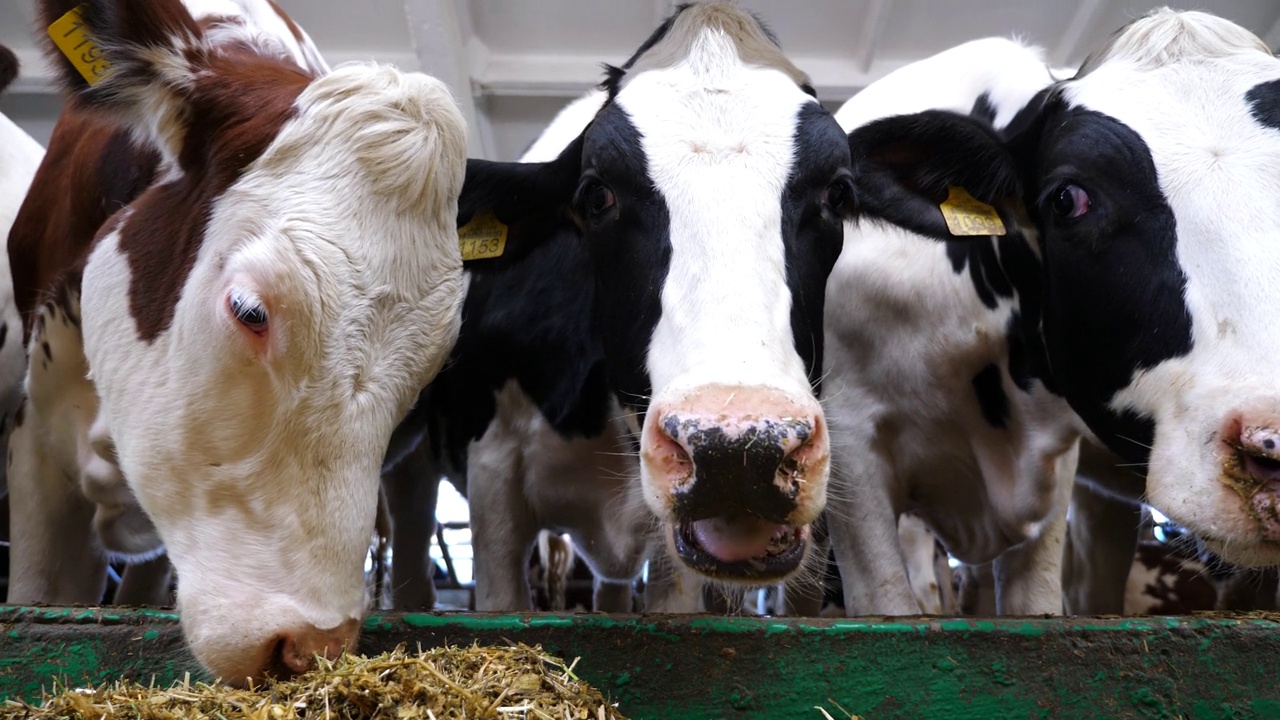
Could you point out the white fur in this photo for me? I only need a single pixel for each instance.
(1185, 96)
(20, 155)
(905, 335)
(717, 136)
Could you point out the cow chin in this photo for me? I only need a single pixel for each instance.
(737, 474)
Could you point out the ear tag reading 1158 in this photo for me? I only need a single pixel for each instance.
(73, 39)
(967, 215)
(484, 237)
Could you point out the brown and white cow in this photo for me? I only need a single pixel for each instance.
(235, 272)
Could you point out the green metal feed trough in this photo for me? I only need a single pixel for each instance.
(678, 668)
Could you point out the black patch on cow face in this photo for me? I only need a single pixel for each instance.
(991, 398)
(630, 249)
(983, 110)
(1264, 103)
(526, 319)
(1113, 288)
(812, 227)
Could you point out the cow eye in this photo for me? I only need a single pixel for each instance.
(1070, 201)
(595, 199)
(839, 196)
(249, 311)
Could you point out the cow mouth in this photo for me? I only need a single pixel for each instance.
(740, 549)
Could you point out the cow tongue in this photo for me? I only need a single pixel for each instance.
(737, 538)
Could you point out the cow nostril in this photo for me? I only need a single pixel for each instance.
(279, 665)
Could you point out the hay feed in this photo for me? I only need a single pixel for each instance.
(503, 683)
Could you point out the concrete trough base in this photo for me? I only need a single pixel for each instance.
(681, 668)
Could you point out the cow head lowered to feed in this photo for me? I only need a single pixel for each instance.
(1150, 180)
(710, 191)
(258, 318)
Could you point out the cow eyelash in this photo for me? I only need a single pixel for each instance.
(248, 310)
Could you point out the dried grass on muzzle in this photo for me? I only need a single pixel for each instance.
(507, 683)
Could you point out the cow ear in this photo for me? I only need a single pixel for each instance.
(508, 207)
(128, 58)
(937, 173)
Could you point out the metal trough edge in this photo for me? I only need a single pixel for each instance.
(679, 667)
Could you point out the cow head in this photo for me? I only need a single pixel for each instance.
(1151, 180)
(710, 191)
(258, 320)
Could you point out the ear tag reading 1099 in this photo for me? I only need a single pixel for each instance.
(73, 39)
(482, 238)
(967, 215)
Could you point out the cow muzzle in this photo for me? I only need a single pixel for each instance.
(1253, 466)
(739, 473)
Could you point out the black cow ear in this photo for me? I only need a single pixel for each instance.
(507, 207)
(936, 173)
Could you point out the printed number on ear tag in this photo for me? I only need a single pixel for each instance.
(967, 215)
(73, 39)
(484, 237)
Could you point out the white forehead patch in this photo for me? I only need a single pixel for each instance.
(718, 137)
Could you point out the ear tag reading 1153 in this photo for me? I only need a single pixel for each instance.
(482, 238)
(967, 215)
(73, 39)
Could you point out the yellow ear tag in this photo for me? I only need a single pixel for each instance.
(967, 215)
(484, 237)
(73, 39)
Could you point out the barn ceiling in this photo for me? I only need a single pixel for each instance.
(513, 63)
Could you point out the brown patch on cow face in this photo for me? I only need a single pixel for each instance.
(236, 113)
(91, 170)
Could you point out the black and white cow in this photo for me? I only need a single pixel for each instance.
(697, 218)
(1148, 189)
(931, 410)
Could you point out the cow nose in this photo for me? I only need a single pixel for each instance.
(1259, 446)
(742, 472)
(749, 464)
(295, 652)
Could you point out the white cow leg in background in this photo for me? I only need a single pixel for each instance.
(1028, 576)
(503, 526)
(54, 556)
(921, 549)
(147, 583)
(863, 527)
(1102, 535)
(611, 596)
(802, 596)
(412, 488)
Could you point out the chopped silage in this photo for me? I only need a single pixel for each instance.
(503, 683)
